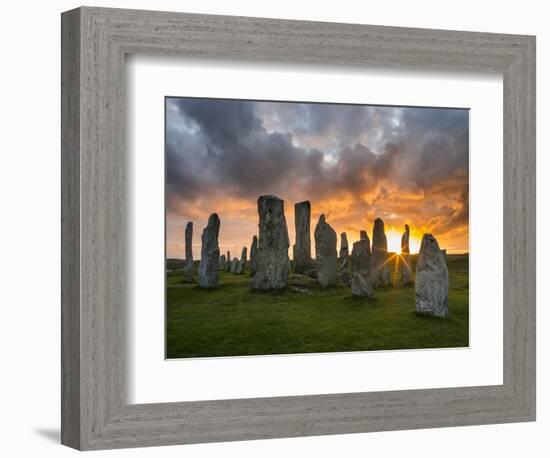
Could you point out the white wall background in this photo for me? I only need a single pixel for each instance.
(30, 246)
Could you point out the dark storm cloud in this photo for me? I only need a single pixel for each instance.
(234, 152)
(248, 148)
(442, 135)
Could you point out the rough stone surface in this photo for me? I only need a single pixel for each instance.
(363, 235)
(325, 249)
(253, 255)
(222, 262)
(242, 263)
(209, 272)
(272, 261)
(188, 266)
(361, 282)
(228, 261)
(405, 261)
(344, 252)
(432, 279)
(345, 276)
(234, 266)
(302, 248)
(380, 264)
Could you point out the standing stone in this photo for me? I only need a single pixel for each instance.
(272, 261)
(242, 263)
(444, 253)
(363, 235)
(253, 255)
(380, 257)
(234, 266)
(405, 261)
(344, 259)
(344, 253)
(222, 262)
(302, 248)
(228, 263)
(325, 249)
(361, 282)
(209, 272)
(432, 279)
(188, 266)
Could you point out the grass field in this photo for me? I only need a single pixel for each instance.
(232, 320)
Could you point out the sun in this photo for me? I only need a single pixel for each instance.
(394, 241)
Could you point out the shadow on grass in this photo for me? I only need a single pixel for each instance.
(428, 317)
(358, 301)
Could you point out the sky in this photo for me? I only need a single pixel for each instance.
(354, 163)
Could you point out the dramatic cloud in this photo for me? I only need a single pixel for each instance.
(406, 165)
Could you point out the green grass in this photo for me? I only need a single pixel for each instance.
(232, 320)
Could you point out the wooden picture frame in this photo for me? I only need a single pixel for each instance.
(95, 412)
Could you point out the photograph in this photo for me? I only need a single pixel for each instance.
(302, 227)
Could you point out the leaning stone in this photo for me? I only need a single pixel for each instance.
(405, 261)
(209, 272)
(272, 261)
(188, 266)
(432, 279)
(242, 263)
(361, 282)
(325, 249)
(253, 255)
(380, 264)
(345, 277)
(302, 248)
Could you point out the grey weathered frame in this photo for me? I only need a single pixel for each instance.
(95, 41)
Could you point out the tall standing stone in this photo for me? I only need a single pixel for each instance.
(325, 250)
(405, 241)
(344, 252)
(272, 261)
(405, 261)
(228, 264)
(344, 259)
(242, 263)
(209, 272)
(380, 261)
(253, 255)
(432, 279)
(222, 262)
(363, 235)
(188, 266)
(302, 248)
(361, 282)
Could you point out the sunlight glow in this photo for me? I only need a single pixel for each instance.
(394, 241)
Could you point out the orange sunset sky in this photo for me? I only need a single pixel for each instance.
(354, 163)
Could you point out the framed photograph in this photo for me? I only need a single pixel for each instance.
(279, 228)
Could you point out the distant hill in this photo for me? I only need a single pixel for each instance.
(174, 264)
(455, 263)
